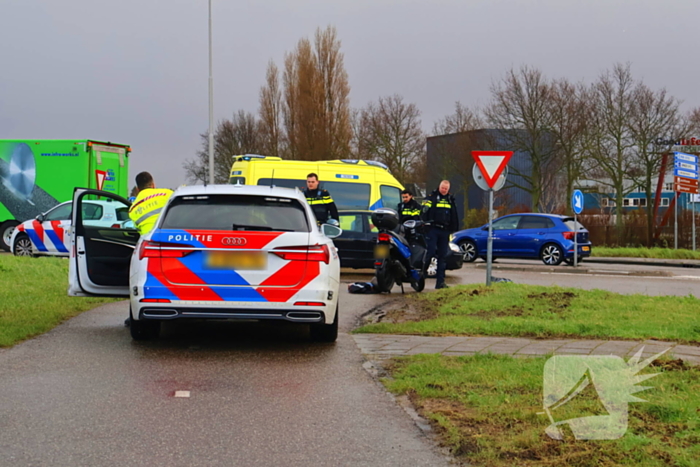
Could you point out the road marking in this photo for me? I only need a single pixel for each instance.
(182, 393)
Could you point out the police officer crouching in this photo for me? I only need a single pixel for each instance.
(441, 212)
(408, 209)
(322, 204)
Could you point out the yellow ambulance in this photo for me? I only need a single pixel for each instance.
(353, 184)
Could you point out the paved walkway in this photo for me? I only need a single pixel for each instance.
(391, 345)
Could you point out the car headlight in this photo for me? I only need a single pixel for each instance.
(454, 247)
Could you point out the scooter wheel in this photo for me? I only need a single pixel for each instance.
(420, 285)
(385, 281)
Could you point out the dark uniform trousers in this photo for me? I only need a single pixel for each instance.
(443, 219)
(439, 246)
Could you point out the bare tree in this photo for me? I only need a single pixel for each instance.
(454, 154)
(519, 108)
(693, 121)
(335, 100)
(390, 132)
(569, 110)
(271, 112)
(289, 105)
(240, 135)
(316, 99)
(611, 144)
(653, 114)
(463, 119)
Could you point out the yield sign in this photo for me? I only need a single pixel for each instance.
(491, 164)
(100, 175)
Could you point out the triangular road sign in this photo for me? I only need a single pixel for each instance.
(100, 175)
(491, 164)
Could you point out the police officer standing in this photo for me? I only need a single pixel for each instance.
(320, 200)
(149, 203)
(409, 209)
(441, 212)
(146, 207)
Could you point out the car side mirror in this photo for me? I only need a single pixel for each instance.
(486, 227)
(331, 231)
(40, 218)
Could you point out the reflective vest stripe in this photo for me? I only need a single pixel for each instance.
(319, 201)
(140, 220)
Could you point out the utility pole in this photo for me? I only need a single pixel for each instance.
(211, 108)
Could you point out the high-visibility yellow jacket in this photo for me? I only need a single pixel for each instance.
(147, 207)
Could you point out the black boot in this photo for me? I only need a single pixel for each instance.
(441, 285)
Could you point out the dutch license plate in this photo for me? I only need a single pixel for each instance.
(585, 248)
(381, 251)
(251, 260)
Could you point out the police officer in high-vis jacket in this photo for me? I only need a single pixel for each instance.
(320, 200)
(146, 208)
(149, 203)
(409, 208)
(441, 212)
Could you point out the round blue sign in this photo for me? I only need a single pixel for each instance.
(577, 201)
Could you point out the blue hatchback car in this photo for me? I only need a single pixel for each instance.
(549, 237)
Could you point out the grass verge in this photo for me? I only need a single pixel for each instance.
(520, 310)
(33, 297)
(659, 253)
(485, 408)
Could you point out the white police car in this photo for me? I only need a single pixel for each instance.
(216, 252)
(48, 234)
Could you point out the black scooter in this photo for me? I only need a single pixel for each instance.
(400, 257)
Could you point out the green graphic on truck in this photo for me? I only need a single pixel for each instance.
(36, 175)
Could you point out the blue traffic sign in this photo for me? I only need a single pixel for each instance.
(683, 157)
(685, 174)
(686, 166)
(577, 201)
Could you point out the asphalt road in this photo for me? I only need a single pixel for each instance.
(260, 394)
(85, 395)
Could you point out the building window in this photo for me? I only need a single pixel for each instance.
(642, 202)
(665, 201)
(607, 203)
(668, 187)
(627, 202)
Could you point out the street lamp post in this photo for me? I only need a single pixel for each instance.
(211, 108)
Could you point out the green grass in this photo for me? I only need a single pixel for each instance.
(485, 409)
(34, 298)
(539, 311)
(660, 253)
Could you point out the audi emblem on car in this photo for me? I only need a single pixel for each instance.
(233, 241)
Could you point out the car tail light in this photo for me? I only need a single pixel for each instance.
(154, 300)
(304, 253)
(383, 237)
(568, 235)
(149, 249)
(309, 304)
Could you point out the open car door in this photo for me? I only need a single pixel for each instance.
(99, 255)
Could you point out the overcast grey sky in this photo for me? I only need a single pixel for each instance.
(135, 71)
